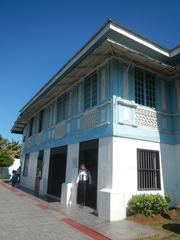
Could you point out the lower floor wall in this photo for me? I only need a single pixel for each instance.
(117, 177)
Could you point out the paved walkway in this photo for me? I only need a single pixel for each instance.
(26, 217)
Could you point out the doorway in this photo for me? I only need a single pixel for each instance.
(88, 154)
(57, 170)
(39, 170)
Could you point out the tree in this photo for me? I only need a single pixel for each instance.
(14, 149)
(5, 159)
(8, 151)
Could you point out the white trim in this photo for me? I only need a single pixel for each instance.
(139, 40)
(175, 51)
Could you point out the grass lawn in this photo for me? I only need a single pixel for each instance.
(169, 224)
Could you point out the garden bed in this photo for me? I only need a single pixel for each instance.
(169, 223)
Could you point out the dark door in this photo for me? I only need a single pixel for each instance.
(39, 170)
(89, 156)
(57, 170)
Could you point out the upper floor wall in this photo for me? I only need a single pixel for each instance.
(117, 98)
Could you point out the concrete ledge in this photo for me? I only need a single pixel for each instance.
(112, 205)
(68, 194)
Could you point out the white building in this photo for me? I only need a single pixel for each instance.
(115, 106)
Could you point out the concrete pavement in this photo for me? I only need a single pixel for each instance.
(25, 217)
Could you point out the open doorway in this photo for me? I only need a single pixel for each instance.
(88, 154)
(57, 170)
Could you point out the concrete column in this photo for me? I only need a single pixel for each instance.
(104, 177)
(69, 189)
(111, 201)
(45, 173)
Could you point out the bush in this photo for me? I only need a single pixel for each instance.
(148, 204)
(5, 159)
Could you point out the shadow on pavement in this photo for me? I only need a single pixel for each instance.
(173, 227)
(36, 194)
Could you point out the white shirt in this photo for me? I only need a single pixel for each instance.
(83, 175)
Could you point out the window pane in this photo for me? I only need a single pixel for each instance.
(94, 89)
(150, 90)
(139, 87)
(87, 93)
(62, 107)
(145, 88)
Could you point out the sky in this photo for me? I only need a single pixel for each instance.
(38, 37)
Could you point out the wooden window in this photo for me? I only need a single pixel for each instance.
(90, 91)
(145, 88)
(148, 170)
(26, 164)
(41, 116)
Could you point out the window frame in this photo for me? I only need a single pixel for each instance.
(90, 91)
(62, 107)
(26, 165)
(145, 88)
(148, 176)
(41, 118)
(31, 123)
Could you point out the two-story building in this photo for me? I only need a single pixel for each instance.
(115, 106)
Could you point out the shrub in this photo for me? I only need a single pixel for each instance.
(148, 204)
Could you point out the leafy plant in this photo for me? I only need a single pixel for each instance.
(5, 159)
(148, 204)
(8, 151)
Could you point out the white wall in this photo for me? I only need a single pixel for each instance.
(69, 189)
(125, 164)
(117, 174)
(29, 180)
(104, 177)
(125, 167)
(45, 173)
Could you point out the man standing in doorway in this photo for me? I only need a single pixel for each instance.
(83, 181)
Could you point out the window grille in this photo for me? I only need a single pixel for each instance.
(148, 170)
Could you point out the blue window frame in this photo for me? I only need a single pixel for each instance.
(62, 107)
(90, 91)
(145, 88)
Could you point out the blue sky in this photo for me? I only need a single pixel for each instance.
(38, 37)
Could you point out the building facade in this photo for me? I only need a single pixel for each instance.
(114, 106)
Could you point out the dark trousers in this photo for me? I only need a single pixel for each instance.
(82, 188)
